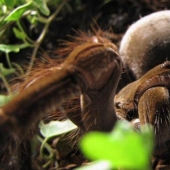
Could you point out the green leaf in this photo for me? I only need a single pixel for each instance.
(17, 12)
(42, 6)
(123, 147)
(5, 99)
(12, 48)
(6, 71)
(19, 34)
(55, 128)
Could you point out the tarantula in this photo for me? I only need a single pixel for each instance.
(92, 72)
(143, 47)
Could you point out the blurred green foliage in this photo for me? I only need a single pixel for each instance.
(122, 148)
(12, 15)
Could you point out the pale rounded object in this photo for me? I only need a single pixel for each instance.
(146, 43)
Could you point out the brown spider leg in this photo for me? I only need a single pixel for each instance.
(153, 108)
(113, 70)
(128, 97)
(158, 76)
(97, 105)
(45, 93)
(31, 104)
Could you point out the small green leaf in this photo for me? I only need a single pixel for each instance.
(6, 71)
(17, 12)
(19, 34)
(42, 6)
(123, 147)
(12, 48)
(55, 128)
(5, 99)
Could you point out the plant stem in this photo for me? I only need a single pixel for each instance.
(21, 28)
(42, 35)
(47, 146)
(8, 60)
(5, 82)
(19, 68)
(41, 19)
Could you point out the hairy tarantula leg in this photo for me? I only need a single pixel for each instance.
(88, 67)
(103, 88)
(44, 94)
(154, 108)
(29, 105)
(158, 76)
(127, 99)
(40, 97)
(101, 117)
